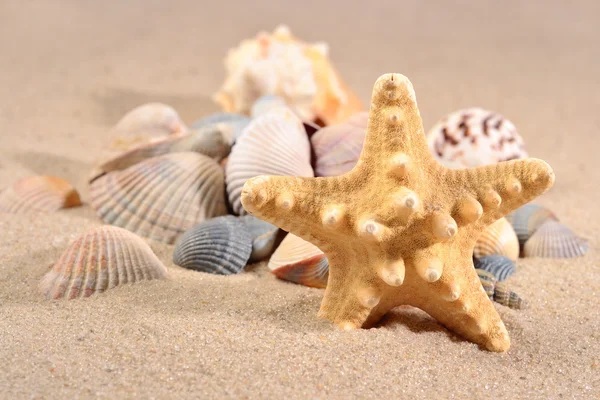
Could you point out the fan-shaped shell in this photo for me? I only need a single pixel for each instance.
(338, 147)
(499, 291)
(220, 245)
(162, 197)
(273, 144)
(235, 124)
(555, 240)
(299, 261)
(263, 235)
(473, 137)
(500, 266)
(527, 219)
(499, 238)
(266, 103)
(39, 194)
(99, 260)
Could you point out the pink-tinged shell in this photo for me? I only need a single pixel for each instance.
(162, 197)
(39, 194)
(99, 260)
(338, 147)
(498, 239)
(473, 137)
(299, 261)
(555, 240)
(275, 143)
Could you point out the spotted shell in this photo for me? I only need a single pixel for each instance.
(299, 261)
(500, 266)
(263, 235)
(499, 238)
(527, 219)
(338, 147)
(273, 144)
(162, 197)
(39, 194)
(99, 260)
(266, 103)
(234, 124)
(499, 291)
(554, 240)
(473, 137)
(221, 245)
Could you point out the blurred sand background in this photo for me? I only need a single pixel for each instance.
(70, 69)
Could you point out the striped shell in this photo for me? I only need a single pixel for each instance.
(263, 235)
(555, 240)
(162, 197)
(273, 144)
(99, 260)
(527, 219)
(338, 147)
(39, 194)
(499, 266)
(220, 246)
(234, 124)
(499, 291)
(498, 238)
(299, 261)
(266, 103)
(473, 137)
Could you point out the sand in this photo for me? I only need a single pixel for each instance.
(70, 69)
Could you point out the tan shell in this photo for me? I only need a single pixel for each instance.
(162, 197)
(99, 260)
(555, 240)
(39, 194)
(499, 238)
(299, 261)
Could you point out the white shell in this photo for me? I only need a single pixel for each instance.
(299, 261)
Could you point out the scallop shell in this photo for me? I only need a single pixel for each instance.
(220, 246)
(499, 238)
(500, 292)
(39, 194)
(235, 124)
(499, 266)
(263, 235)
(527, 219)
(299, 261)
(338, 147)
(266, 103)
(273, 144)
(555, 240)
(99, 260)
(473, 137)
(162, 197)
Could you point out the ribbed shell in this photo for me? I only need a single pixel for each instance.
(235, 122)
(499, 238)
(338, 147)
(162, 197)
(39, 194)
(266, 103)
(263, 235)
(273, 144)
(500, 292)
(220, 245)
(527, 219)
(99, 260)
(555, 240)
(500, 266)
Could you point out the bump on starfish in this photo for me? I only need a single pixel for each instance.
(402, 231)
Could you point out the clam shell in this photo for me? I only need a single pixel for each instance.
(499, 266)
(338, 147)
(266, 103)
(162, 197)
(234, 124)
(527, 219)
(555, 240)
(500, 292)
(39, 194)
(273, 144)
(220, 246)
(499, 238)
(99, 260)
(299, 261)
(263, 235)
(473, 137)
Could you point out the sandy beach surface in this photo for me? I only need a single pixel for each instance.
(70, 69)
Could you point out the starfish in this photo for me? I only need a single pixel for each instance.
(399, 228)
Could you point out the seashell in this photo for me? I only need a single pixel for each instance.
(234, 124)
(263, 235)
(527, 219)
(338, 147)
(472, 137)
(266, 103)
(275, 144)
(282, 65)
(220, 246)
(299, 261)
(162, 197)
(39, 194)
(99, 260)
(500, 266)
(555, 240)
(499, 238)
(499, 291)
